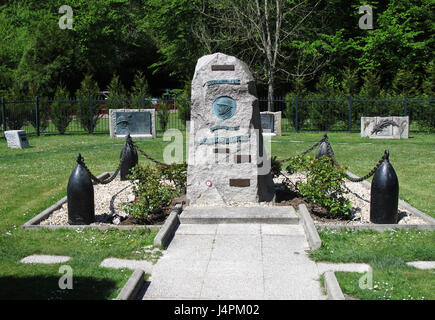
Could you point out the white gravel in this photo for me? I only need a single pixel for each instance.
(359, 197)
(108, 199)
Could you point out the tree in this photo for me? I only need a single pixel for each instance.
(140, 92)
(49, 58)
(61, 110)
(324, 109)
(86, 98)
(117, 97)
(299, 115)
(256, 31)
(171, 24)
(349, 81)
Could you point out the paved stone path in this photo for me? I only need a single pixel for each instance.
(236, 261)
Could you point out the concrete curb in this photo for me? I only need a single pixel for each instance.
(332, 287)
(133, 286)
(310, 228)
(166, 232)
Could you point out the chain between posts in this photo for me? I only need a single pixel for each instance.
(308, 150)
(81, 161)
(146, 155)
(331, 154)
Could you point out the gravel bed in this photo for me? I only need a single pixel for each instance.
(108, 199)
(359, 197)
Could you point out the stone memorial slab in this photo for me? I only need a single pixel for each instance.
(267, 122)
(271, 123)
(227, 161)
(385, 127)
(17, 139)
(139, 123)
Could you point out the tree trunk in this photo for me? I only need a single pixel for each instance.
(270, 79)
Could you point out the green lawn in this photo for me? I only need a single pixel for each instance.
(386, 252)
(32, 179)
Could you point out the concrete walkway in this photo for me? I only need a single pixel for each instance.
(236, 261)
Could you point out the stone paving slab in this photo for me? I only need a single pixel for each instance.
(424, 265)
(236, 261)
(45, 259)
(240, 215)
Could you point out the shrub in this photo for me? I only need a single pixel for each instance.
(61, 111)
(117, 98)
(323, 110)
(44, 114)
(155, 187)
(183, 104)
(290, 101)
(17, 112)
(177, 174)
(164, 114)
(275, 169)
(139, 92)
(88, 90)
(324, 185)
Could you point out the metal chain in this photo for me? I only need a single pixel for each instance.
(146, 155)
(330, 153)
(308, 150)
(81, 161)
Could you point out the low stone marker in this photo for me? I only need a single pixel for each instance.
(227, 160)
(139, 123)
(385, 127)
(271, 123)
(17, 139)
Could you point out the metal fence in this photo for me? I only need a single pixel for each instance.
(90, 115)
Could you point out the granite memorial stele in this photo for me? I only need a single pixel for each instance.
(227, 162)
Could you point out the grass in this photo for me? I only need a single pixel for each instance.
(33, 179)
(387, 253)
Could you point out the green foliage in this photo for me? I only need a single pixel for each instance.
(61, 110)
(177, 174)
(49, 58)
(117, 98)
(349, 81)
(405, 83)
(163, 114)
(300, 91)
(275, 167)
(324, 185)
(140, 92)
(17, 112)
(183, 103)
(86, 98)
(154, 188)
(426, 115)
(323, 111)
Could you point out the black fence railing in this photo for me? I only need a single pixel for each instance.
(89, 115)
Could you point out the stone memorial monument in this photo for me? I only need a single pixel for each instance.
(139, 123)
(227, 162)
(385, 127)
(271, 123)
(17, 139)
